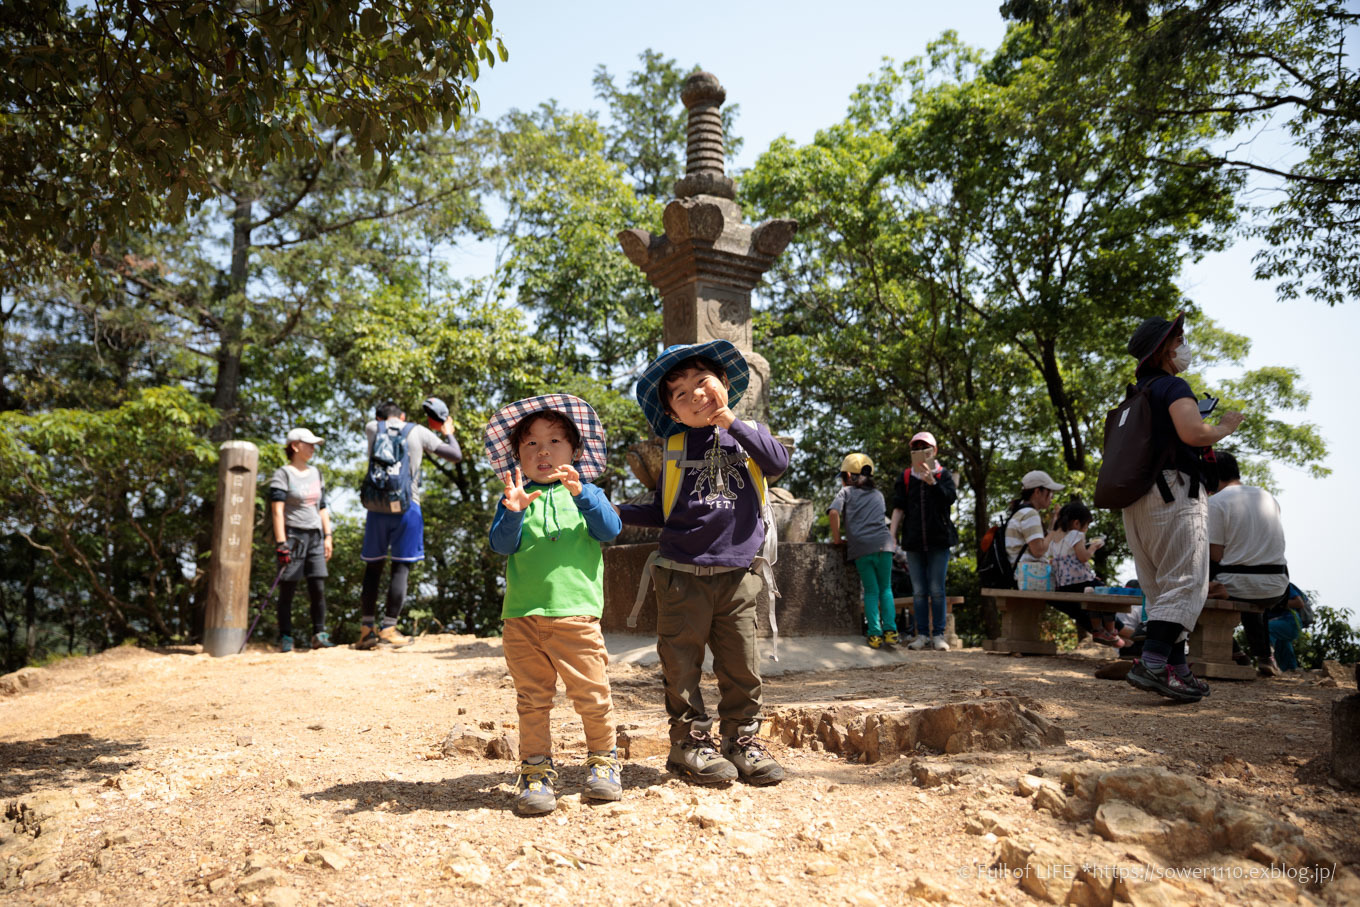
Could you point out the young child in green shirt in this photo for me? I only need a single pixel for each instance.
(551, 521)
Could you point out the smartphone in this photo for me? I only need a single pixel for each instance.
(919, 457)
(1206, 405)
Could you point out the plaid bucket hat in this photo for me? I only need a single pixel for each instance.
(649, 390)
(593, 456)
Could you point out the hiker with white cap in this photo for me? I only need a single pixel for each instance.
(1026, 535)
(1167, 526)
(550, 522)
(713, 564)
(302, 536)
(922, 498)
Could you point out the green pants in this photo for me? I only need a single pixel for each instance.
(717, 611)
(875, 575)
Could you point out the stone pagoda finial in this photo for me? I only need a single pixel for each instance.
(703, 97)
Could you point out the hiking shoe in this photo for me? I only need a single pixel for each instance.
(602, 778)
(697, 758)
(890, 638)
(938, 644)
(368, 638)
(919, 643)
(322, 640)
(285, 643)
(754, 763)
(1267, 667)
(1163, 681)
(1193, 682)
(534, 788)
(875, 641)
(391, 636)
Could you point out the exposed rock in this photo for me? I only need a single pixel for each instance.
(1343, 675)
(264, 877)
(928, 891)
(987, 822)
(990, 724)
(281, 897)
(1346, 741)
(1124, 824)
(637, 742)
(466, 866)
(506, 746)
(1089, 890)
(711, 815)
(33, 834)
(21, 681)
(1041, 869)
(329, 858)
(466, 740)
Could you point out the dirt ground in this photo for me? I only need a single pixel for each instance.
(319, 778)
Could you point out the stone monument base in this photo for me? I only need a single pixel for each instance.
(219, 641)
(819, 591)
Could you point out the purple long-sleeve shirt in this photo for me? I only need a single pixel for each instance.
(716, 519)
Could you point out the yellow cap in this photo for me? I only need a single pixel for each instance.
(854, 464)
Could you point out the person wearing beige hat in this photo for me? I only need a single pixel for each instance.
(302, 536)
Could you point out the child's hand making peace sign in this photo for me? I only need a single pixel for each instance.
(516, 498)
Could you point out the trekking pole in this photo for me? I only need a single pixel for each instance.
(264, 600)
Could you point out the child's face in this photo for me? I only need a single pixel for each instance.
(544, 447)
(694, 395)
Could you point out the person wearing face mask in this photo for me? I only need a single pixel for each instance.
(1167, 527)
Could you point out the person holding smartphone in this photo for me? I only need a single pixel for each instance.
(922, 499)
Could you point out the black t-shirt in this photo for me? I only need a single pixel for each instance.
(1164, 390)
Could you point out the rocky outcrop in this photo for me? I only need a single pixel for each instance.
(989, 724)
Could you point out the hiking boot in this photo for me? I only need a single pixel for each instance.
(1267, 667)
(697, 759)
(534, 788)
(890, 638)
(1193, 682)
(391, 636)
(1162, 681)
(285, 643)
(875, 641)
(938, 644)
(919, 643)
(322, 640)
(754, 763)
(368, 638)
(602, 778)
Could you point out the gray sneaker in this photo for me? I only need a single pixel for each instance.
(697, 758)
(534, 788)
(754, 763)
(603, 777)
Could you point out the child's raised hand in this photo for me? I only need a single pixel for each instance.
(723, 417)
(569, 477)
(516, 498)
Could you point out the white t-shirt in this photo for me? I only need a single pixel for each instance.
(1024, 527)
(1245, 520)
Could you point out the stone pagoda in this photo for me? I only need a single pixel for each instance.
(705, 266)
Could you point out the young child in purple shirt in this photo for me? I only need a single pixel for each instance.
(710, 571)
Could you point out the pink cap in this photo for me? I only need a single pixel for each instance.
(924, 436)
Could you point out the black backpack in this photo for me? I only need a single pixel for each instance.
(1131, 462)
(995, 570)
(386, 487)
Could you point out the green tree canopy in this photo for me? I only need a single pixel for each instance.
(123, 114)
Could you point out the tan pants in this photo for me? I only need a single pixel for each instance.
(718, 611)
(538, 650)
(1170, 545)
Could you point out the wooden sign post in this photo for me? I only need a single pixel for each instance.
(224, 623)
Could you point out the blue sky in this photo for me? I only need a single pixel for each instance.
(791, 67)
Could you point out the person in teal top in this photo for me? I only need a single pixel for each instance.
(550, 522)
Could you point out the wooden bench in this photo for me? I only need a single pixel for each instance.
(1021, 613)
(907, 602)
(1210, 643)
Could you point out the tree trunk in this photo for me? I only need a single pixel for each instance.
(231, 343)
(1069, 424)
